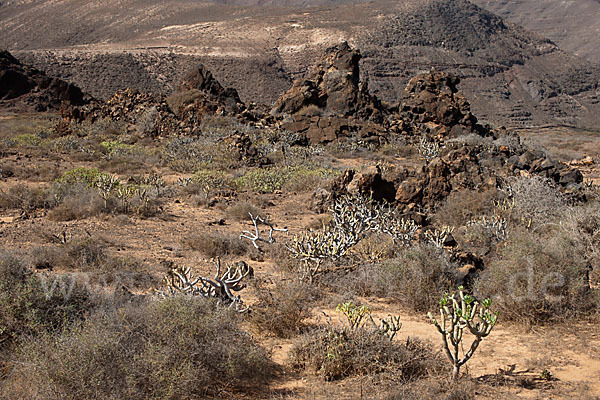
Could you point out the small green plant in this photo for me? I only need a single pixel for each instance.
(114, 146)
(457, 312)
(546, 375)
(354, 313)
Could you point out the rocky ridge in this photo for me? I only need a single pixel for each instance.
(519, 79)
(23, 87)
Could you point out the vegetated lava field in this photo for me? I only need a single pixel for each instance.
(267, 225)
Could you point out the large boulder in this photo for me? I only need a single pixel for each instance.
(201, 80)
(333, 85)
(433, 103)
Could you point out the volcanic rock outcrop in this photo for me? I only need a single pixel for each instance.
(200, 93)
(332, 103)
(26, 88)
(432, 103)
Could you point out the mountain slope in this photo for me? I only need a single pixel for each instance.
(512, 76)
(573, 25)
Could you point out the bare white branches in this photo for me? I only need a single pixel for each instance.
(256, 235)
(353, 218)
(180, 281)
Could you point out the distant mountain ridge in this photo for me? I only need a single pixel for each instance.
(573, 25)
(513, 77)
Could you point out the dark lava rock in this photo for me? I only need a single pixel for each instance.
(27, 88)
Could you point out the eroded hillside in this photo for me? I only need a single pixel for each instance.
(514, 77)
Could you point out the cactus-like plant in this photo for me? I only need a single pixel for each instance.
(438, 237)
(354, 313)
(457, 312)
(428, 150)
(353, 218)
(496, 224)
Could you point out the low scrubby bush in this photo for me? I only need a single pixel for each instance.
(416, 278)
(339, 352)
(213, 244)
(269, 180)
(282, 309)
(30, 305)
(177, 348)
(538, 278)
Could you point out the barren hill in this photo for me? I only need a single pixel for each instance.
(512, 76)
(573, 25)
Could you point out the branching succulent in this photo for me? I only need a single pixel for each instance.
(106, 184)
(180, 281)
(428, 150)
(457, 312)
(438, 237)
(353, 218)
(496, 224)
(356, 315)
(388, 326)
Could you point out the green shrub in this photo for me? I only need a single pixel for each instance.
(178, 348)
(89, 176)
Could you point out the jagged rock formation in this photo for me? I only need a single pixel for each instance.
(331, 103)
(201, 93)
(333, 86)
(27, 88)
(432, 103)
(518, 78)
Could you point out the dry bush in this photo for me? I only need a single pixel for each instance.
(22, 197)
(132, 162)
(437, 389)
(538, 278)
(477, 239)
(178, 348)
(282, 309)
(375, 247)
(213, 244)
(78, 203)
(239, 211)
(31, 172)
(535, 199)
(30, 306)
(416, 278)
(460, 207)
(338, 352)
